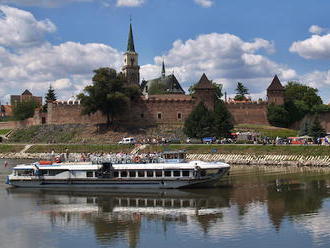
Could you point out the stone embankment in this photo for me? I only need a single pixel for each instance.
(280, 160)
(233, 159)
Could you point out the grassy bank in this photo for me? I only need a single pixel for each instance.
(268, 131)
(107, 148)
(4, 131)
(247, 149)
(10, 148)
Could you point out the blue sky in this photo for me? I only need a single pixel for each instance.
(62, 41)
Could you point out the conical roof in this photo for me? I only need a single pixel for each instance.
(204, 83)
(27, 92)
(275, 84)
(130, 42)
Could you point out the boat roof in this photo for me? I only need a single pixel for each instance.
(151, 166)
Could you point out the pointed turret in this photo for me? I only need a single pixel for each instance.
(275, 92)
(130, 42)
(163, 69)
(205, 92)
(131, 66)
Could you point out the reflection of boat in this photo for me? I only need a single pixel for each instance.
(169, 171)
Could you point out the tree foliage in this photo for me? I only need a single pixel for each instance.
(204, 123)
(50, 95)
(241, 92)
(315, 129)
(24, 110)
(300, 100)
(108, 94)
(277, 115)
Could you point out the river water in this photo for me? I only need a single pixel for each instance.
(254, 207)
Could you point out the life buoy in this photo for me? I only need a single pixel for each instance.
(137, 159)
(58, 160)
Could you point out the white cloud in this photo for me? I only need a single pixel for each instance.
(225, 58)
(129, 3)
(204, 3)
(19, 28)
(315, 47)
(314, 29)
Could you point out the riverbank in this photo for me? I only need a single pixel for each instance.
(232, 159)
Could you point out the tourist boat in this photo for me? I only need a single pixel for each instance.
(168, 171)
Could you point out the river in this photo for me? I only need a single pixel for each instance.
(253, 207)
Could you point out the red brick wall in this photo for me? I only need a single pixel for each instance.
(249, 113)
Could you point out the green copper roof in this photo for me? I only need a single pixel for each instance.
(130, 43)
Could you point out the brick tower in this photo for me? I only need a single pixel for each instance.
(275, 92)
(205, 92)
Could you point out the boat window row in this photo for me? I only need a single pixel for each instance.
(146, 173)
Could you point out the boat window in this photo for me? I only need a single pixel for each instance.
(25, 172)
(140, 173)
(89, 174)
(168, 173)
(123, 173)
(150, 173)
(115, 174)
(185, 173)
(132, 173)
(176, 173)
(203, 173)
(159, 173)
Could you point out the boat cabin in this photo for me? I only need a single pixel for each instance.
(174, 156)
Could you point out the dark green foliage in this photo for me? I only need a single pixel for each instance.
(24, 110)
(223, 122)
(241, 92)
(199, 123)
(203, 123)
(315, 129)
(277, 115)
(50, 95)
(108, 94)
(300, 100)
(295, 91)
(304, 127)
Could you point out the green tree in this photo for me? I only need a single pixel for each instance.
(304, 127)
(223, 122)
(316, 130)
(199, 123)
(50, 95)
(295, 91)
(108, 94)
(241, 92)
(24, 110)
(277, 115)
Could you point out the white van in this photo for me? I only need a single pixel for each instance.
(129, 140)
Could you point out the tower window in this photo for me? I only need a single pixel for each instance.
(159, 116)
(142, 115)
(179, 116)
(132, 61)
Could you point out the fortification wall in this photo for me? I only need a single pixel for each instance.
(152, 111)
(249, 113)
(70, 112)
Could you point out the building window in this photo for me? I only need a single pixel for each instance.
(179, 116)
(142, 116)
(159, 116)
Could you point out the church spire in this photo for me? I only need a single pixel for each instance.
(130, 43)
(163, 69)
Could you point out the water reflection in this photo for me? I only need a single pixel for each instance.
(253, 204)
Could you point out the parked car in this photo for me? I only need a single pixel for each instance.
(128, 140)
(208, 140)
